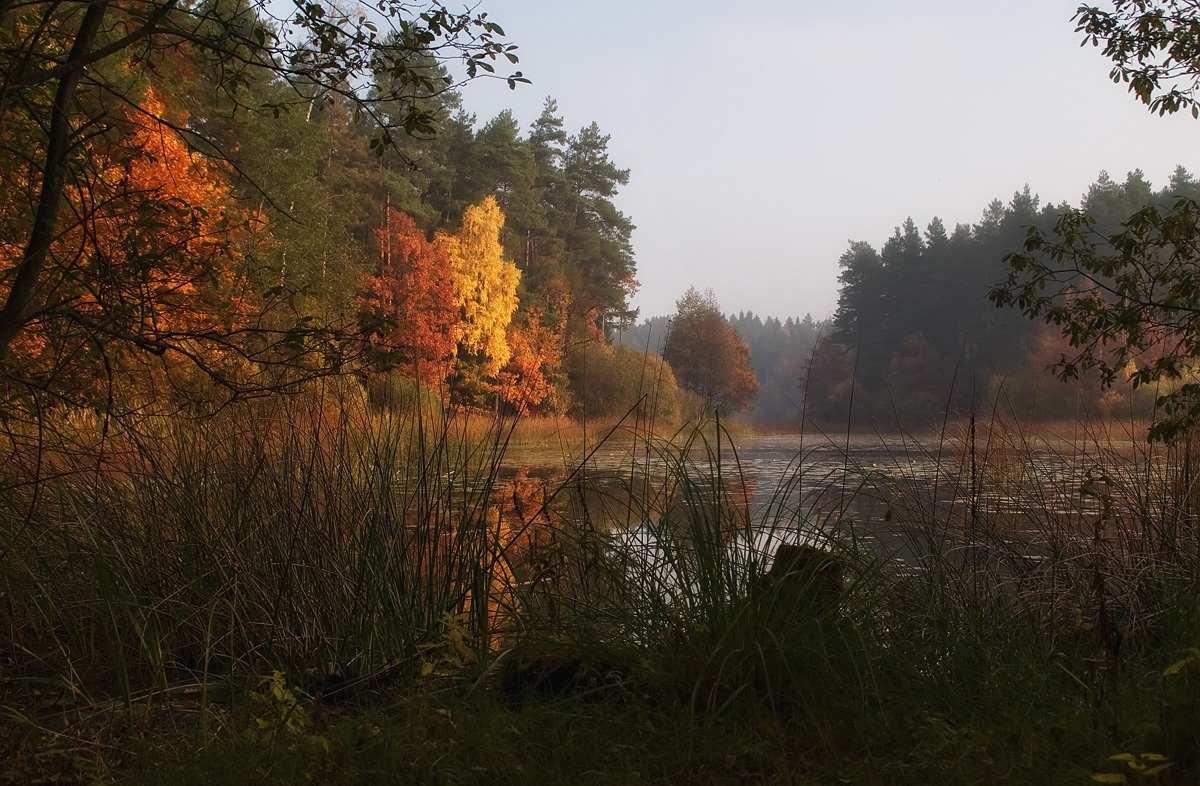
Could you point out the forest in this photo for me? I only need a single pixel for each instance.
(916, 341)
(333, 449)
(232, 235)
(213, 251)
(915, 335)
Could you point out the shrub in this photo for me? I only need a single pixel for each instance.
(609, 381)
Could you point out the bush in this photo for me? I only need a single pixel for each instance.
(608, 381)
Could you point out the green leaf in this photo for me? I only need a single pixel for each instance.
(1108, 777)
(1193, 656)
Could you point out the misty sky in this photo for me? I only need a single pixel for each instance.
(761, 141)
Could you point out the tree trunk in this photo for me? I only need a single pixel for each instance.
(54, 177)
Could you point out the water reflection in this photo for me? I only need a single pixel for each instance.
(897, 497)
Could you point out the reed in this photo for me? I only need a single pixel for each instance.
(1007, 601)
(314, 536)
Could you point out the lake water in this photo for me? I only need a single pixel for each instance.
(899, 497)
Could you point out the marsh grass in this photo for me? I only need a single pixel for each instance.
(322, 539)
(333, 589)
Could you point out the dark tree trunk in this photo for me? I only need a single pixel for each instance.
(54, 177)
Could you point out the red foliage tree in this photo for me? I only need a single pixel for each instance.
(413, 299)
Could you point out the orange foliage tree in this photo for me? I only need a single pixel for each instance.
(707, 355)
(413, 295)
(528, 380)
(147, 265)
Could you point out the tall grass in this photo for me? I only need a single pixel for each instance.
(1006, 596)
(313, 536)
(1008, 600)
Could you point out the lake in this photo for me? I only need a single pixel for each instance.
(898, 496)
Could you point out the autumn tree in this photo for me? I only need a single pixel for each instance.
(708, 357)
(531, 376)
(151, 260)
(413, 300)
(485, 285)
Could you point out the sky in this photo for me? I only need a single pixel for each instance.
(761, 141)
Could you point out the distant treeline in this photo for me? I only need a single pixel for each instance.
(779, 354)
(915, 338)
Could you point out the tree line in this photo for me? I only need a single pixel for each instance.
(208, 201)
(915, 336)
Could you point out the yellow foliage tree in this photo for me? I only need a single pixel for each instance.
(485, 284)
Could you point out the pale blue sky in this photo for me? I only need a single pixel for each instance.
(761, 141)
